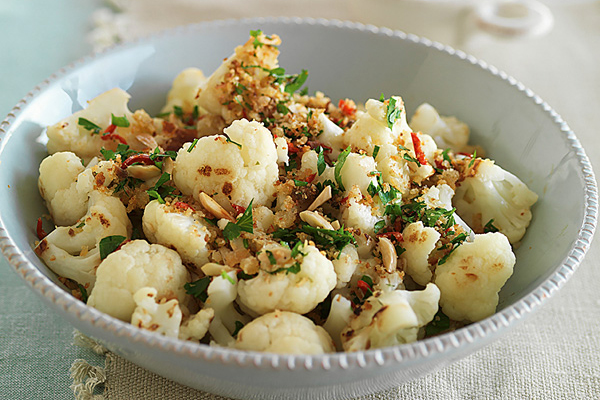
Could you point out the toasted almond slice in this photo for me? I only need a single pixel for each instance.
(147, 140)
(336, 224)
(214, 208)
(214, 269)
(324, 196)
(388, 254)
(143, 172)
(168, 165)
(315, 220)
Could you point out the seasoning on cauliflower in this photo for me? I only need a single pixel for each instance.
(284, 332)
(154, 315)
(288, 283)
(392, 318)
(177, 229)
(73, 251)
(489, 193)
(472, 276)
(81, 132)
(235, 168)
(135, 265)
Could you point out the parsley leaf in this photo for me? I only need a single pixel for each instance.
(189, 150)
(109, 244)
(243, 224)
(375, 151)
(296, 82)
(321, 161)
(490, 227)
(84, 294)
(121, 122)
(454, 243)
(238, 327)
(338, 167)
(198, 288)
(392, 113)
(439, 324)
(88, 125)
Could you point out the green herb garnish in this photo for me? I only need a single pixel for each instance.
(88, 125)
(121, 122)
(243, 224)
(109, 244)
(338, 167)
(198, 288)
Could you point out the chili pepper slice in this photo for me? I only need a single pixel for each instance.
(418, 148)
(40, 230)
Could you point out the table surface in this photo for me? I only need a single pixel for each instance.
(36, 348)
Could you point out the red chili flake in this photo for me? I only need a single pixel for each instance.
(292, 148)
(110, 129)
(439, 164)
(114, 136)
(418, 148)
(139, 159)
(397, 235)
(347, 107)
(364, 286)
(183, 206)
(314, 144)
(40, 230)
(462, 153)
(311, 178)
(238, 209)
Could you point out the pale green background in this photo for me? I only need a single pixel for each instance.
(37, 38)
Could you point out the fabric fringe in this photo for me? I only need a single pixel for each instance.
(87, 377)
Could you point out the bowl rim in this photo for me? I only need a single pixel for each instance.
(445, 343)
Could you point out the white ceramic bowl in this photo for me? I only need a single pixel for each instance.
(520, 131)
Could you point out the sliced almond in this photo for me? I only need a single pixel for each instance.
(214, 269)
(315, 220)
(324, 196)
(168, 165)
(143, 172)
(388, 254)
(336, 224)
(213, 207)
(147, 140)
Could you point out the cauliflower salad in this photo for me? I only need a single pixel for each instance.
(252, 215)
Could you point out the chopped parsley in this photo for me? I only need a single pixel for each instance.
(160, 190)
(300, 183)
(338, 167)
(228, 140)
(109, 244)
(473, 157)
(379, 225)
(88, 125)
(326, 238)
(375, 151)
(378, 188)
(83, 292)
(243, 224)
(189, 150)
(121, 122)
(238, 327)
(198, 288)
(294, 269)
(320, 160)
(453, 244)
(226, 277)
(255, 34)
(439, 324)
(392, 113)
(490, 227)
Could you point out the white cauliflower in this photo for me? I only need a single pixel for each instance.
(345, 265)
(448, 132)
(73, 251)
(392, 318)
(236, 170)
(196, 326)
(358, 170)
(181, 231)
(393, 167)
(358, 214)
(490, 193)
(282, 150)
(339, 316)
(284, 332)
(222, 292)
(289, 284)
(64, 199)
(418, 241)
(331, 134)
(371, 127)
(472, 276)
(136, 265)
(184, 90)
(69, 135)
(309, 165)
(156, 316)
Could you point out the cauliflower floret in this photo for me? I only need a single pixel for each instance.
(358, 214)
(447, 132)
(65, 202)
(472, 276)
(331, 134)
(235, 170)
(288, 284)
(439, 196)
(72, 251)
(490, 193)
(393, 167)
(196, 326)
(222, 292)
(345, 265)
(284, 332)
(136, 265)
(392, 318)
(184, 90)
(69, 135)
(419, 242)
(282, 150)
(339, 316)
(185, 234)
(309, 165)
(371, 127)
(160, 317)
(358, 171)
